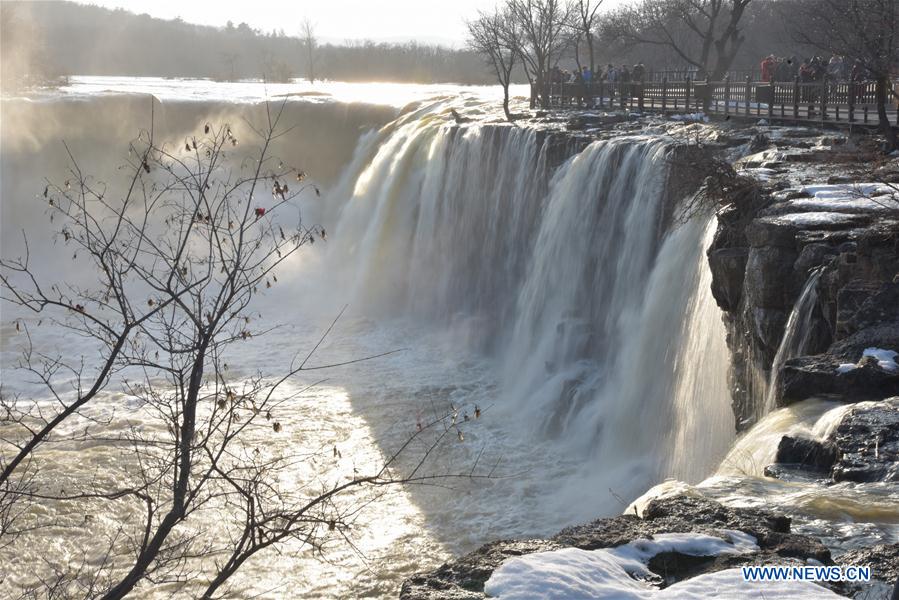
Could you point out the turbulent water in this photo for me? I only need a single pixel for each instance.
(594, 307)
(562, 300)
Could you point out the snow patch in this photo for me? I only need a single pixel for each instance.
(691, 118)
(886, 360)
(618, 573)
(815, 218)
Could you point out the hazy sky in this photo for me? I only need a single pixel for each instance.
(440, 21)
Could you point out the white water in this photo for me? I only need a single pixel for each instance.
(557, 300)
(602, 321)
(796, 336)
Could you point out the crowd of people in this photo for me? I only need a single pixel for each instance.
(626, 80)
(773, 69)
(815, 68)
(610, 73)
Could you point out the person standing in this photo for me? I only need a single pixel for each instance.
(767, 67)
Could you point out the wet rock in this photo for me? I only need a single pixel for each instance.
(759, 142)
(807, 453)
(728, 266)
(882, 307)
(771, 232)
(850, 298)
(464, 578)
(882, 559)
(820, 375)
(868, 441)
(769, 276)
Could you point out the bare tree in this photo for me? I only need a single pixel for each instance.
(541, 24)
(230, 59)
(860, 30)
(310, 46)
(180, 260)
(705, 34)
(584, 20)
(495, 36)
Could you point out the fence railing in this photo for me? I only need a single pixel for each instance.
(852, 101)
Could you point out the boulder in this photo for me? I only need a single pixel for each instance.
(868, 442)
(807, 453)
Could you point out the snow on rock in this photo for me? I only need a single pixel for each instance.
(620, 573)
(848, 191)
(729, 585)
(692, 118)
(839, 198)
(886, 360)
(811, 220)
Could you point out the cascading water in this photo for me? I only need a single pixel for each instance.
(439, 220)
(599, 317)
(797, 334)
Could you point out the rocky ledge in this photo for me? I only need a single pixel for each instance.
(862, 447)
(837, 241)
(464, 578)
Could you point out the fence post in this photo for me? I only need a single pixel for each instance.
(664, 93)
(601, 85)
(687, 94)
(852, 93)
(824, 98)
(748, 95)
(771, 100)
(796, 97)
(727, 94)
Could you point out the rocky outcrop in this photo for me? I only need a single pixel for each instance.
(464, 578)
(863, 447)
(867, 439)
(761, 258)
(821, 375)
(807, 453)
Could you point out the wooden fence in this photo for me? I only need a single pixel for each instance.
(821, 101)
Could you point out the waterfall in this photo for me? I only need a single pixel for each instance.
(598, 313)
(797, 333)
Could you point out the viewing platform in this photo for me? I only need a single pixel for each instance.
(820, 102)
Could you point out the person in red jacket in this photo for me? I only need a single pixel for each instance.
(768, 65)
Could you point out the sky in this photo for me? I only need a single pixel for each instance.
(433, 21)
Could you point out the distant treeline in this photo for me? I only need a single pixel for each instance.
(50, 39)
(46, 40)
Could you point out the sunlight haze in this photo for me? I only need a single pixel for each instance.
(336, 21)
